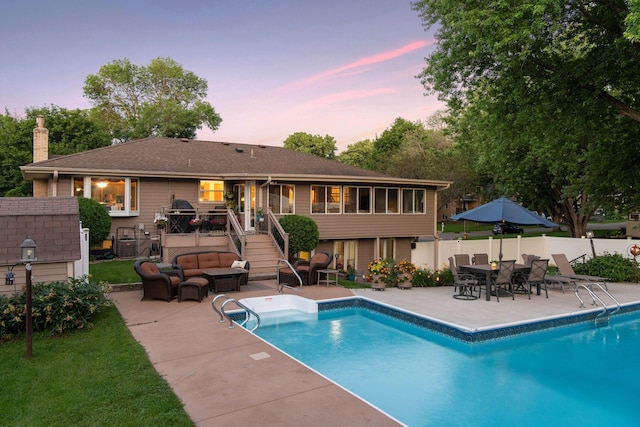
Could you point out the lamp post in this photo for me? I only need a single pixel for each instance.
(27, 256)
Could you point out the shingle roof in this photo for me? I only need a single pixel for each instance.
(175, 157)
(52, 222)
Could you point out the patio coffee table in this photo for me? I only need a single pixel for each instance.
(224, 279)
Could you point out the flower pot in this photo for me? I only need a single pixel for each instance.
(405, 283)
(377, 283)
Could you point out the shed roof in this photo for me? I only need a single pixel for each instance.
(52, 222)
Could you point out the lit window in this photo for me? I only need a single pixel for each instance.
(119, 196)
(211, 191)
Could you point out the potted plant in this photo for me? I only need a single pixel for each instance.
(405, 271)
(160, 222)
(230, 199)
(378, 272)
(351, 273)
(259, 215)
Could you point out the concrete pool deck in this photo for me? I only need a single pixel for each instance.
(230, 377)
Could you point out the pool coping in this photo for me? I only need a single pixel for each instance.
(472, 335)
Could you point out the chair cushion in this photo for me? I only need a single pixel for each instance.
(209, 260)
(227, 258)
(149, 268)
(175, 280)
(187, 261)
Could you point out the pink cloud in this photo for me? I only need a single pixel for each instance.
(359, 66)
(344, 96)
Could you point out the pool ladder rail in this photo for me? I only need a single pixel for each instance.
(223, 313)
(280, 285)
(602, 319)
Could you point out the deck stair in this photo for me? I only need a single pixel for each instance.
(263, 255)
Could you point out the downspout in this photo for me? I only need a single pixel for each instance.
(268, 181)
(54, 184)
(436, 237)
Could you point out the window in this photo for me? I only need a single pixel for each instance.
(325, 199)
(412, 200)
(120, 196)
(281, 199)
(387, 200)
(211, 191)
(356, 200)
(345, 251)
(386, 248)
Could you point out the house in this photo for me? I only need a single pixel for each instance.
(361, 214)
(53, 223)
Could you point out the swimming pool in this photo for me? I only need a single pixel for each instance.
(572, 375)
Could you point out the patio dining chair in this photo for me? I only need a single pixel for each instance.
(461, 259)
(503, 279)
(463, 284)
(480, 259)
(537, 275)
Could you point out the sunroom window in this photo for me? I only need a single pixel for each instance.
(120, 196)
(387, 200)
(325, 199)
(356, 200)
(412, 200)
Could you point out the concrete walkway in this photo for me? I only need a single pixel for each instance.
(228, 377)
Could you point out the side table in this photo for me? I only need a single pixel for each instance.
(327, 280)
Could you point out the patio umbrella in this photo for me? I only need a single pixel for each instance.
(503, 210)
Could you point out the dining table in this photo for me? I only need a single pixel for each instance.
(489, 270)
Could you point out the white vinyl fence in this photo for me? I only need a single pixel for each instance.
(434, 255)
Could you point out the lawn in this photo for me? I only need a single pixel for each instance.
(97, 377)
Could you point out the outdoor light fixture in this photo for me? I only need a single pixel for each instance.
(27, 256)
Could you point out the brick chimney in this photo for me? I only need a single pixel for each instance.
(40, 153)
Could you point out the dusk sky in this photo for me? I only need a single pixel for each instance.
(344, 68)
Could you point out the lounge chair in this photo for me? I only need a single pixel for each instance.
(307, 270)
(565, 269)
(463, 284)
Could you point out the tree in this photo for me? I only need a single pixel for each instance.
(96, 218)
(303, 233)
(70, 131)
(389, 142)
(160, 99)
(321, 146)
(539, 87)
(357, 154)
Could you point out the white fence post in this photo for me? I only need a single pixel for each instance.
(81, 266)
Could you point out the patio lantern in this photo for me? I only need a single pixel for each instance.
(27, 256)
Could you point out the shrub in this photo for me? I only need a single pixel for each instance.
(303, 233)
(428, 278)
(56, 307)
(96, 218)
(614, 267)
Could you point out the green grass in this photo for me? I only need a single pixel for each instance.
(114, 271)
(97, 377)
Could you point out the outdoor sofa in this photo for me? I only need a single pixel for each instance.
(193, 264)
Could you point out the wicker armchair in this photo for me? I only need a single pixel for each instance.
(307, 270)
(157, 284)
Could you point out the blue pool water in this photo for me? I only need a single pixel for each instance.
(574, 375)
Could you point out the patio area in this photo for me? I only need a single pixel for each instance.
(230, 377)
